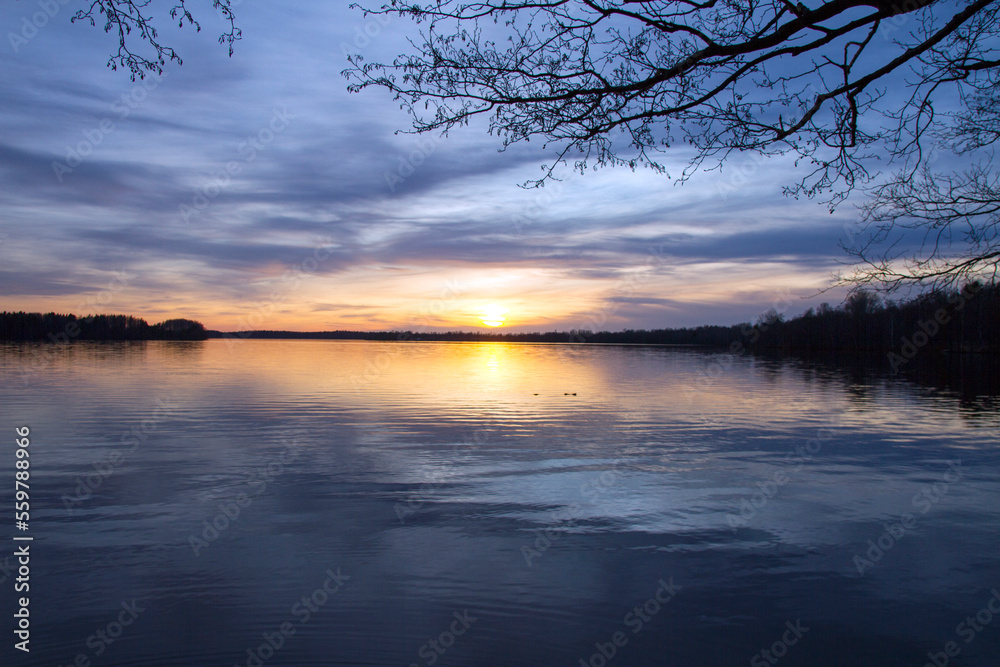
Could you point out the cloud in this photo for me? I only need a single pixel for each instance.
(390, 209)
(37, 283)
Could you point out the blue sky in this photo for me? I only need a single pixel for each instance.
(255, 192)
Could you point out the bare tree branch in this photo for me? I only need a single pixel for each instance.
(849, 87)
(125, 17)
(957, 220)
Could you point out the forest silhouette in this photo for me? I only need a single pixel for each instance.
(52, 327)
(955, 320)
(958, 320)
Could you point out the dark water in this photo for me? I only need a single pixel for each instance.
(682, 508)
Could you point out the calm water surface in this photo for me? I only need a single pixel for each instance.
(364, 503)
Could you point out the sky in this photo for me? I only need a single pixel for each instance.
(255, 192)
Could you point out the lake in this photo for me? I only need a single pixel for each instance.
(272, 502)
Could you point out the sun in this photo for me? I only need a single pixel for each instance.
(493, 315)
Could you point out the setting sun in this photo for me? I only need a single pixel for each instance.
(493, 315)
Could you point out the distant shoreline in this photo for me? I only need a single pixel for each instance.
(966, 320)
(961, 321)
(736, 344)
(66, 328)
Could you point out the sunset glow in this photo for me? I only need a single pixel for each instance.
(411, 233)
(493, 315)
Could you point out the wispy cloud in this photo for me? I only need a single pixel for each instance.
(395, 211)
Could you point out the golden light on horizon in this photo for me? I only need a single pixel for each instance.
(493, 315)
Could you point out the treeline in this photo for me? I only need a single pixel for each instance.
(966, 320)
(708, 335)
(957, 320)
(57, 328)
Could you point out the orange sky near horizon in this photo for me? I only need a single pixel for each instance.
(422, 300)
